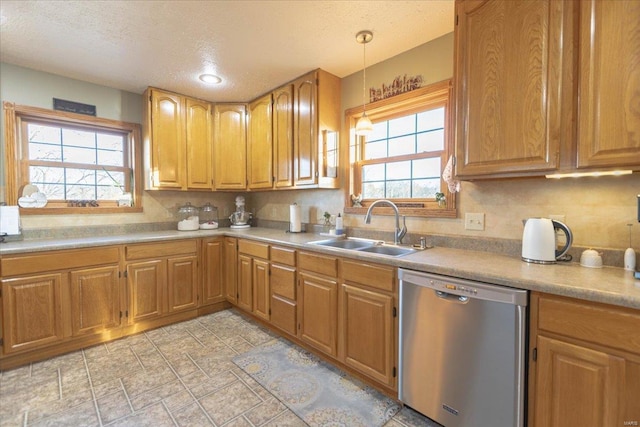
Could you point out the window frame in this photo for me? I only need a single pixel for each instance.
(432, 96)
(17, 162)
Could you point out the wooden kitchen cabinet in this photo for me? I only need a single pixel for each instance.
(584, 365)
(58, 299)
(162, 279)
(178, 140)
(95, 300)
(283, 296)
(368, 313)
(230, 270)
(509, 63)
(316, 110)
(253, 277)
(213, 271)
(260, 144)
(283, 137)
(146, 283)
(609, 83)
(528, 103)
(318, 301)
(32, 309)
(230, 146)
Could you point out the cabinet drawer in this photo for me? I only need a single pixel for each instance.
(283, 314)
(156, 250)
(255, 249)
(375, 276)
(284, 256)
(322, 264)
(283, 281)
(58, 260)
(615, 327)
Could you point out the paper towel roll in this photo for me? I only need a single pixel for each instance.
(295, 225)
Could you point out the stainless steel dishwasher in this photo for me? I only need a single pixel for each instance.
(462, 350)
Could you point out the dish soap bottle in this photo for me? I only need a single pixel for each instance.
(339, 226)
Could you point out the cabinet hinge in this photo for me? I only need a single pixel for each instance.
(126, 313)
(120, 315)
(298, 326)
(126, 274)
(269, 312)
(150, 98)
(456, 19)
(1, 342)
(0, 292)
(395, 312)
(394, 372)
(534, 356)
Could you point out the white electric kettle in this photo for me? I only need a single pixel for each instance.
(539, 240)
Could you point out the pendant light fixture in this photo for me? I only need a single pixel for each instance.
(364, 125)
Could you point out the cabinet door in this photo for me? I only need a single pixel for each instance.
(230, 147)
(609, 84)
(509, 59)
(305, 140)
(167, 140)
(147, 281)
(32, 312)
(182, 282)
(577, 385)
(95, 300)
(368, 337)
(245, 283)
(319, 312)
(230, 269)
(213, 274)
(283, 137)
(259, 144)
(261, 295)
(199, 141)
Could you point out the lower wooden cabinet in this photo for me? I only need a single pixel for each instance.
(245, 283)
(261, 297)
(32, 308)
(584, 363)
(213, 274)
(182, 283)
(95, 300)
(284, 305)
(253, 277)
(369, 320)
(230, 270)
(146, 282)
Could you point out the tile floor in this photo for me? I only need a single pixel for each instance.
(179, 375)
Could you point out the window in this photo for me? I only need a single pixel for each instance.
(403, 158)
(76, 161)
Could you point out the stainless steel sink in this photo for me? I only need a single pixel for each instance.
(346, 243)
(388, 250)
(365, 245)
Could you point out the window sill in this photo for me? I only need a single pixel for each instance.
(81, 211)
(411, 212)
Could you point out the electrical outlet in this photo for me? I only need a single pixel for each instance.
(558, 217)
(474, 221)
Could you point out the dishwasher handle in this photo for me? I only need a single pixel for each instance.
(451, 297)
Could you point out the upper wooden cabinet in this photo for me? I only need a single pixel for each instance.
(283, 137)
(178, 142)
(230, 146)
(316, 111)
(260, 144)
(508, 85)
(516, 74)
(609, 84)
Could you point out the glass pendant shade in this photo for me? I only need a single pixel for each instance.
(364, 125)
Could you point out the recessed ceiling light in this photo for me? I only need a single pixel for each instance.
(210, 79)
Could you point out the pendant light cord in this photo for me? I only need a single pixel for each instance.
(364, 76)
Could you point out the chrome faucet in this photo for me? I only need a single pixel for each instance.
(399, 232)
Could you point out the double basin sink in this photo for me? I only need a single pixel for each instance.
(366, 245)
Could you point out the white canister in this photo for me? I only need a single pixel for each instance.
(630, 259)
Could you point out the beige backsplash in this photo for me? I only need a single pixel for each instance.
(596, 209)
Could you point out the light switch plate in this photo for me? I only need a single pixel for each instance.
(474, 221)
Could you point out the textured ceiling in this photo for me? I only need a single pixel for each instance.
(254, 46)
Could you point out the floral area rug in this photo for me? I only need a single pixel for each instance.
(317, 392)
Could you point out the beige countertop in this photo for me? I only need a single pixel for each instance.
(609, 285)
